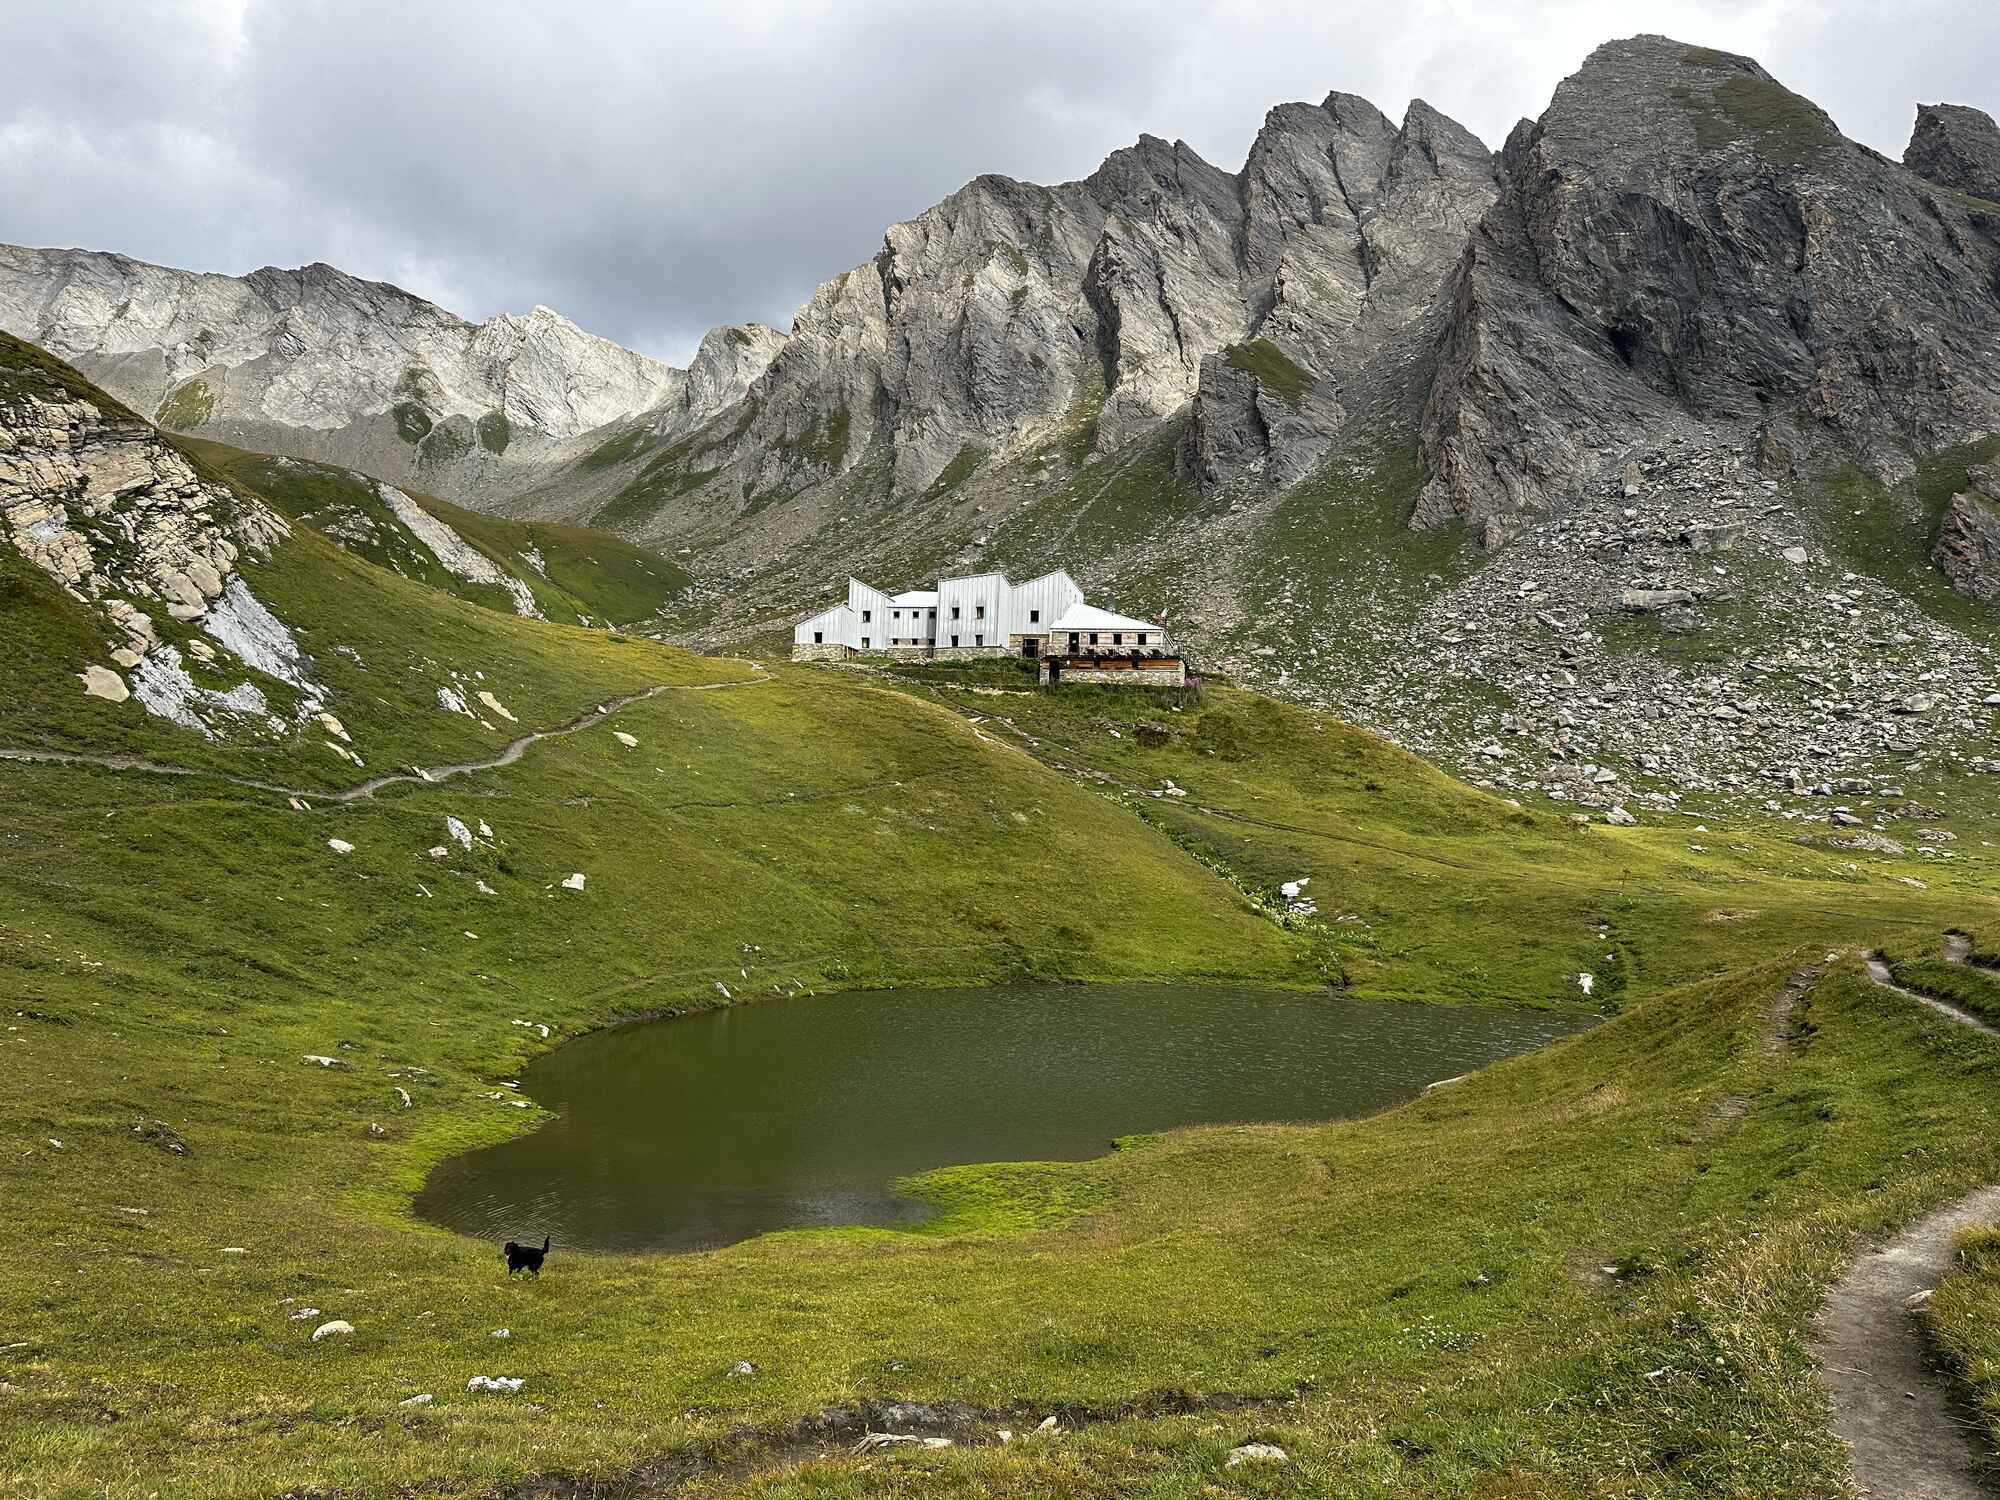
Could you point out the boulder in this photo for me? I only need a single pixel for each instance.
(102, 682)
(1652, 601)
(338, 1328)
(1968, 544)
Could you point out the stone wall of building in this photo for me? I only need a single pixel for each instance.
(1152, 675)
(827, 651)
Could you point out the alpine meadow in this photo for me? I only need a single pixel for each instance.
(1325, 829)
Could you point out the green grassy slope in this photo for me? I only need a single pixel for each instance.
(583, 573)
(1418, 1304)
(1964, 1322)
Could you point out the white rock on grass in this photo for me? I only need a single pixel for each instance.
(338, 1328)
(460, 834)
(340, 846)
(574, 883)
(438, 851)
(496, 705)
(501, 1333)
(624, 739)
(1586, 982)
(1257, 1453)
(102, 682)
(334, 727)
(503, 1384)
(424, 1400)
(324, 1062)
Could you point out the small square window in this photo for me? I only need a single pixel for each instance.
(1142, 637)
(1034, 617)
(954, 611)
(819, 638)
(1093, 638)
(954, 640)
(979, 640)
(1117, 637)
(979, 612)
(864, 643)
(867, 615)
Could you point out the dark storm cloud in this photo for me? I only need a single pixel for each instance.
(655, 169)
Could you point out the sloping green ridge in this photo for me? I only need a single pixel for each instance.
(584, 573)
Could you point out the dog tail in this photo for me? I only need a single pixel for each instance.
(545, 1244)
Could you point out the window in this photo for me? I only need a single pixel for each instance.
(954, 639)
(1034, 617)
(864, 643)
(979, 640)
(1093, 638)
(1142, 637)
(954, 611)
(1072, 640)
(979, 612)
(819, 638)
(867, 615)
(933, 614)
(1117, 637)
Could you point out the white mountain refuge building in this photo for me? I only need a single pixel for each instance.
(987, 614)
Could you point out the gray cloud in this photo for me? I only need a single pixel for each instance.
(654, 169)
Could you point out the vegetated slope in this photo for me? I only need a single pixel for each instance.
(220, 996)
(566, 573)
(1422, 1296)
(319, 365)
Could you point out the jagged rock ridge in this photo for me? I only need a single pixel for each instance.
(1679, 236)
(317, 364)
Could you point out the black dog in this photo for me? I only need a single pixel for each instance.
(525, 1257)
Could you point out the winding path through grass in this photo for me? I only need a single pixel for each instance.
(420, 776)
(1908, 1438)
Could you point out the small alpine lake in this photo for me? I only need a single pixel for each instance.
(702, 1130)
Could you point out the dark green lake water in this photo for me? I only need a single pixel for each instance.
(703, 1130)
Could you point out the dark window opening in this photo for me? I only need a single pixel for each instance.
(1034, 617)
(1117, 637)
(1093, 638)
(954, 640)
(867, 615)
(1142, 637)
(819, 638)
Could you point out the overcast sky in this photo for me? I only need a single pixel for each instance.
(654, 167)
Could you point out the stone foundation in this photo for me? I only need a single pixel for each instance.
(828, 651)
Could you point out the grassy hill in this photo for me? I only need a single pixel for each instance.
(1585, 1271)
(574, 574)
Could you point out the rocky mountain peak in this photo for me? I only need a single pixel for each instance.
(1956, 147)
(1682, 239)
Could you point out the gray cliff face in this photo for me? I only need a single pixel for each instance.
(317, 364)
(1956, 147)
(1681, 238)
(1968, 544)
(1011, 313)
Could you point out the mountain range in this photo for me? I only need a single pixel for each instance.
(1623, 451)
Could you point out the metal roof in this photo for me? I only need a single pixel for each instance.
(1089, 617)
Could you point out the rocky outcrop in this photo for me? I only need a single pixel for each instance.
(1680, 238)
(1968, 544)
(1011, 314)
(91, 496)
(317, 364)
(1956, 147)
